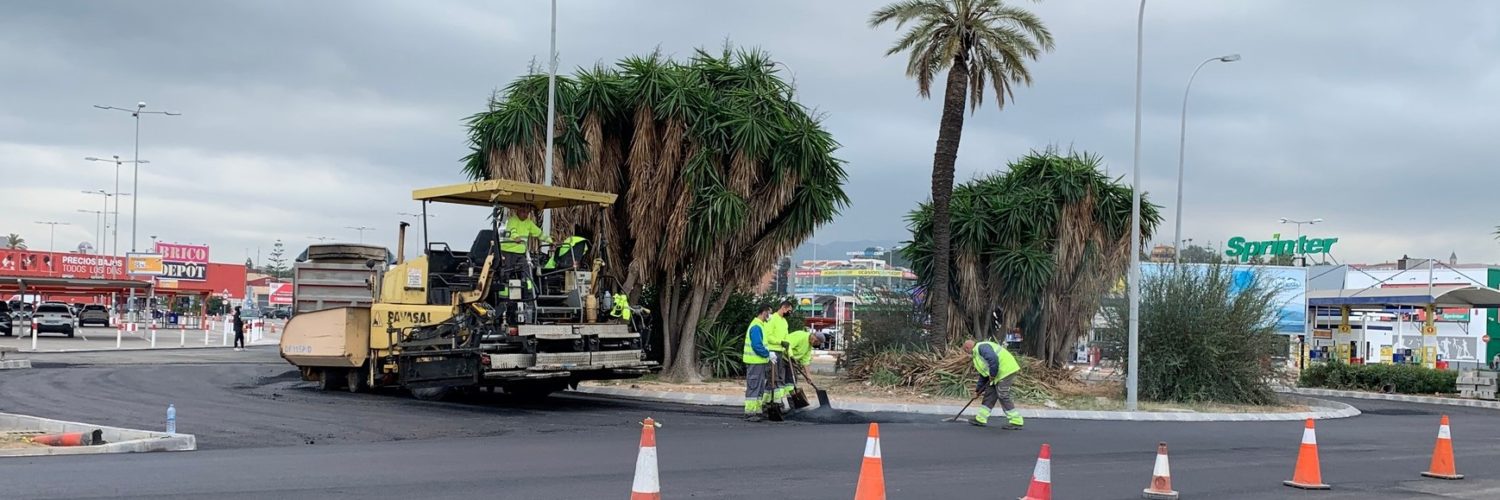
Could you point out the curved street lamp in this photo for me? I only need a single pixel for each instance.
(1182, 149)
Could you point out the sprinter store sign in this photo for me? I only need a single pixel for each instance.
(1245, 249)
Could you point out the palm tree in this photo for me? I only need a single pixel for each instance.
(977, 42)
(719, 172)
(15, 242)
(1040, 243)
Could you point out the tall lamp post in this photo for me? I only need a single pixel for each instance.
(99, 222)
(551, 115)
(1182, 147)
(52, 232)
(117, 161)
(361, 230)
(1299, 224)
(135, 181)
(1132, 377)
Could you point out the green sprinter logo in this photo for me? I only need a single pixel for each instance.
(1245, 249)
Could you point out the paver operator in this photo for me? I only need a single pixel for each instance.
(997, 371)
(757, 359)
(776, 340)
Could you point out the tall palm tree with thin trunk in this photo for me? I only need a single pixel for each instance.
(978, 42)
(15, 242)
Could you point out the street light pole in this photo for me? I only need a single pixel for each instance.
(52, 232)
(1182, 149)
(361, 230)
(1299, 224)
(140, 108)
(1132, 377)
(117, 161)
(551, 115)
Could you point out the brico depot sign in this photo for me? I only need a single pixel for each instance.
(29, 263)
(183, 262)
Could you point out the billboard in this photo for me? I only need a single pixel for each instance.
(183, 262)
(1290, 283)
(31, 263)
(280, 294)
(143, 264)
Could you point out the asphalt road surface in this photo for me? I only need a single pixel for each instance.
(262, 433)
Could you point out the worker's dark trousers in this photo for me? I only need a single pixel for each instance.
(239, 339)
(1000, 391)
(756, 392)
(786, 379)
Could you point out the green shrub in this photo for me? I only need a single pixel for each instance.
(885, 377)
(1405, 379)
(721, 349)
(890, 322)
(1206, 335)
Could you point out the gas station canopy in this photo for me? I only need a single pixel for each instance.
(1468, 297)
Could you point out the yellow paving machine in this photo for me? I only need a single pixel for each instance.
(446, 320)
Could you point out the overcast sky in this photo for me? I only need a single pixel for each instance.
(300, 119)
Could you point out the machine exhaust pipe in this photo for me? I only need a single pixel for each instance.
(401, 242)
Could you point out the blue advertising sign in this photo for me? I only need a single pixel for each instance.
(1289, 282)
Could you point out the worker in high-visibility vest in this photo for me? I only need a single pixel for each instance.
(997, 372)
(520, 229)
(757, 359)
(799, 349)
(777, 342)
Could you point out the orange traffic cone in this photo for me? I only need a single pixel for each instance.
(1041, 476)
(647, 485)
(1161, 477)
(1442, 455)
(1308, 475)
(871, 474)
(65, 439)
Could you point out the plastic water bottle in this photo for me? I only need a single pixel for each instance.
(171, 419)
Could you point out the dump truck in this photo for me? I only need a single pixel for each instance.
(333, 275)
(447, 320)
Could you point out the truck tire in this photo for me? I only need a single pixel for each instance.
(356, 380)
(431, 393)
(330, 379)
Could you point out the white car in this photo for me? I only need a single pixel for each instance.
(54, 318)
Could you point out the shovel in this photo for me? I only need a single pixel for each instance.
(822, 394)
(961, 412)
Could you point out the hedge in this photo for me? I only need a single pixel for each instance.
(1405, 379)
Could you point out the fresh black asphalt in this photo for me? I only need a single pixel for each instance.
(263, 433)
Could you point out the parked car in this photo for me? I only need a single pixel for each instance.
(93, 314)
(54, 318)
(7, 324)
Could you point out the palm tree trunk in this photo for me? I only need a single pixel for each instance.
(684, 365)
(950, 129)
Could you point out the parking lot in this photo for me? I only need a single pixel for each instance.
(99, 338)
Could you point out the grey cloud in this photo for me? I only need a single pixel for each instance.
(302, 118)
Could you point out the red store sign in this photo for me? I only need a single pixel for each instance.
(30, 263)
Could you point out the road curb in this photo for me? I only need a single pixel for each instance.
(119, 440)
(122, 349)
(14, 364)
(1324, 409)
(1405, 398)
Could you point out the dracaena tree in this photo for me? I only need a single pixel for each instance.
(984, 45)
(719, 170)
(1034, 246)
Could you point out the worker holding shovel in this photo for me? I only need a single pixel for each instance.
(800, 345)
(997, 371)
